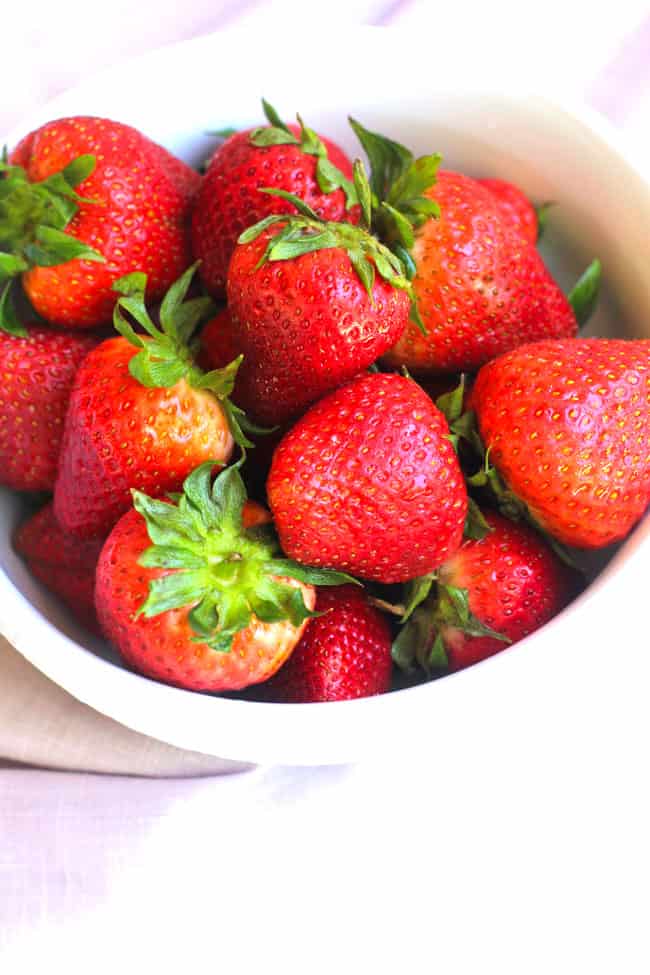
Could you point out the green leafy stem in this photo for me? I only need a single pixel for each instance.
(33, 218)
(224, 573)
(328, 176)
(168, 354)
(306, 232)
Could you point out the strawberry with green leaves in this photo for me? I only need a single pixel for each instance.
(142, 414)
(566, 427)
(481, 287)
(38, 370)
(287, 157)
(492, 592)
(84, 201)
(195, 591)
(64, 563)
(314, 303)
(345, 653)
(368, 482)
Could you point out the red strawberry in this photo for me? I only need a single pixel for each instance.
(345, 654)
(141, 419)
(289, 158)
(38, 371)
(516, 209)
(567, 426)
(219, 346)
(368, 482)
(131, 213)
(491, 592)
(481, 289)
(310, 319)
(209, 605)
(62, 562)
(219, 342)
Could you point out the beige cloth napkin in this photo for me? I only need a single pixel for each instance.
(41, 724)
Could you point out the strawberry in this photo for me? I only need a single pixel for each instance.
(313, 304)
(38, 371)
(83, 202)
(219, 342)
(291, 158)
(481, 289)
(493, 591)
(62, 562)
(368, 482)
(567, 429)
(219, 346)
(211, 604)
(142, 417)
(516, 209)
(345, 653)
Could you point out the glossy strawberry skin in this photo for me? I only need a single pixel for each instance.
(345, 654)
(515, 585)
(163, 647)
(63, 563)
(567, 424)
(119, 435)
(229, 201)
(306, 326)
(140, 221)
(482, 289)
(516, 208)
(219, 344)
(368, 482)
(37, 377)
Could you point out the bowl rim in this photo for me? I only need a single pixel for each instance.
(299, 734)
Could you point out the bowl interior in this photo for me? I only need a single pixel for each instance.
(552, 153)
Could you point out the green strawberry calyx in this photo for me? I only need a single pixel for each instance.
(33, 219)
(225, 573)
(583, 297)
(398, 183)
(328, 176)
(452, 406)
(432, 608)
(306, 232)
(168, 354)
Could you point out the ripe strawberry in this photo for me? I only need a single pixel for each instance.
(62, 562)
(493, 591)
(142, 419)
(516, 209)
(313, 305)
(345, 653)
(38, 371)
(480, 288)
(209, 605)
(219, 345)
(219, 342)
(288, 157)
(368, 482)
(131, 213)
(567, 427)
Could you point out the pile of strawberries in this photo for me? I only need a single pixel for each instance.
(302, 422)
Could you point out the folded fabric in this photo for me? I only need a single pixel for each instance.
(41, 724)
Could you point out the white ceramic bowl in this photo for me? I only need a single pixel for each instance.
(603, 209)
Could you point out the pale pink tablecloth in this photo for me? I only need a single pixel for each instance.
(522, 855)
